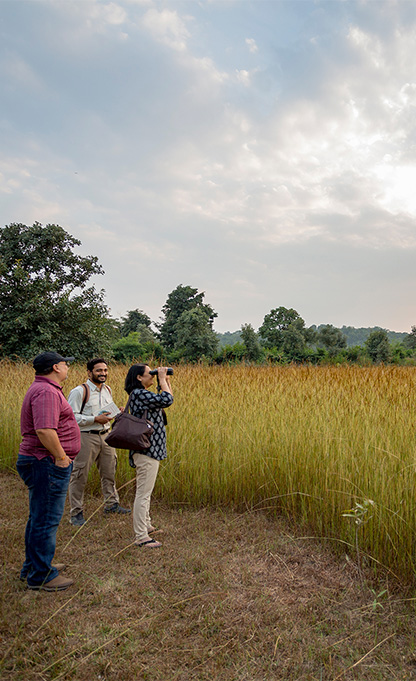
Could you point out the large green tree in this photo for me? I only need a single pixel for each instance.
(46, 301)
(332, 339)
(284, 329)
(132, 320)
(182, 299)
(377, 346)
(253, 350)
(195, 337)
(410, 339)
(275, 324)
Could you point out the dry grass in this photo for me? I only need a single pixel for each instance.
(307, 443)
(230, 597)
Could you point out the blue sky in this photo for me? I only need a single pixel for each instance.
(261, 151)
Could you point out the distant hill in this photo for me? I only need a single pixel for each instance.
(355, 336)
(360, 335)
(228, 338)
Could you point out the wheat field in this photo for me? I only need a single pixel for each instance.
(331, 448)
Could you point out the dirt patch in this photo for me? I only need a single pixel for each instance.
(229, 597)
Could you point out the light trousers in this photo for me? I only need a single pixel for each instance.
(146, 474)
(94, 449)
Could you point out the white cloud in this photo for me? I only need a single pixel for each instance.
(244, 77)
(167, 27)
(252, 45)
(235, 178)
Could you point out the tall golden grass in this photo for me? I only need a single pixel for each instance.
(307, 442)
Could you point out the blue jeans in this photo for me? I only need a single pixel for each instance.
(47, 485)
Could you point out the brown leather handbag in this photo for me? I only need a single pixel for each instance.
(130, 432)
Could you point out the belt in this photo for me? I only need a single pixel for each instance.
(97, 432)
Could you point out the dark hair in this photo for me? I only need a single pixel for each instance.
(92, 362)
(131, 381)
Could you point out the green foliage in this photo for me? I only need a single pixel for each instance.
(377, 346)
(410, 340)
(194, 336)
(355, 353)
(275, 323)
(293, 341)
(254, 352)
(231, 354)
(133, 347)
(332, 339)
(145, 334)
(228, 338)
(181, 300)
(132, 320)
(398, 352)
(46, 303)
(128, 348)
(283, 331)
(358, 336)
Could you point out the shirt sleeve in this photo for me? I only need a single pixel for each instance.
(46, 410)
(144, 399)
(75, 399)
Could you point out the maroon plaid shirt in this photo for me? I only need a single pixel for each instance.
(45, 406)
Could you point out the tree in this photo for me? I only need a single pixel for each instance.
(294, 342)
(145, 335)
(194, 336)
(410, 339)
(284, 330)
(332, 339)
(181, 299)
(251, 342)
(132, 320)
(275, 323)
(377, 346)
(46, 303)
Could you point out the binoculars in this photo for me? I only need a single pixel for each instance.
(154, 372)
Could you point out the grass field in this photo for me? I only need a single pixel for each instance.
(229, 597)
(308, 443)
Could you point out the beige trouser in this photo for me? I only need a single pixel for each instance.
(146, 473)
(93, 449)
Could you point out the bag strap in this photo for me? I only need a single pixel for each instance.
(127, 409)
(86, 397)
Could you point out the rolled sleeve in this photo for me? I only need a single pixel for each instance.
(150, 400)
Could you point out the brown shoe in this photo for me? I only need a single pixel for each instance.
(59, 583)
(58, 566)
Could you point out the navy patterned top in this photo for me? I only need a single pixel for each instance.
(141, 399)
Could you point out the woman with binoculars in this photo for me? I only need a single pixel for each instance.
(138, 381)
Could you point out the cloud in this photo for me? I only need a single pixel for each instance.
(252, 45)
(166, 27)
(149, 132)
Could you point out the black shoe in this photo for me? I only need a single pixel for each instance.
(77, 519)
(116, 508)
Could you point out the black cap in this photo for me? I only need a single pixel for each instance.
(46, 360)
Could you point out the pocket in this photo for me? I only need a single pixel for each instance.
(60, 472)
(25, 469)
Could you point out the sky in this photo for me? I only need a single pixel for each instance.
(261, 151)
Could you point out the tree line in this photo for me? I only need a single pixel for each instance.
(48, 302)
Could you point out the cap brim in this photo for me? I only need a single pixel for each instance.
(68, 359)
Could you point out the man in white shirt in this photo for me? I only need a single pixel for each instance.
(88, 402)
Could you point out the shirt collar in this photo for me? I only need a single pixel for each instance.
(46, 379)
(92, 386)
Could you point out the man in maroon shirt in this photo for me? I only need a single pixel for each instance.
(51, 440)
